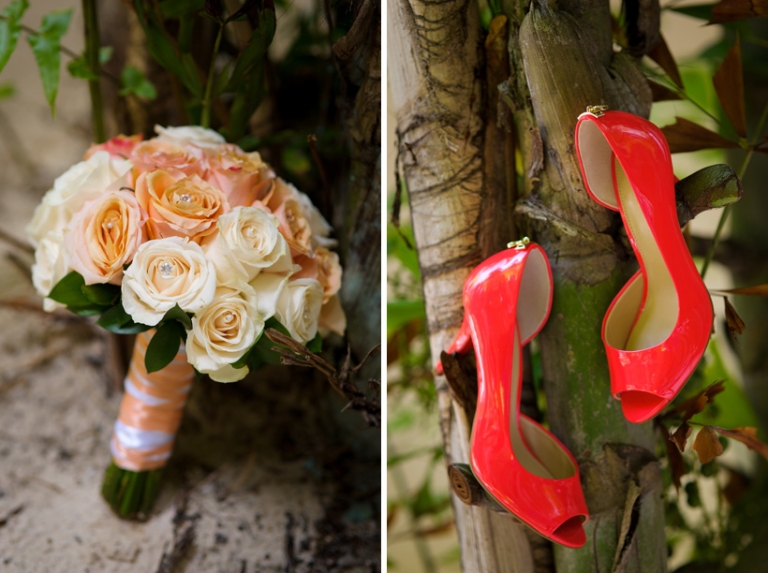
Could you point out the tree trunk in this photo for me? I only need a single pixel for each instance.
(560, 60)
(439, 98)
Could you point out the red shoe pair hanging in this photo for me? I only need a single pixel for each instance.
(655, 330)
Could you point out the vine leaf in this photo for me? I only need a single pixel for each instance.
(681, 435)
(696, 404)
(676, 461)
(757, 290)
(732, 319)
(736, 10)
(706, 445)
(10, 26)
(747, 436)
(133, 81)
(46, 45)
(729, 85)
(684, 135)
(662, 56)
(662, 93)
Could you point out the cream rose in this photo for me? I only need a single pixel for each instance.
(248, 242)
(165, 273)
(224, 331)
(51, 265)
(268, 287)
(103, 236)
(179, 206)
(189, 134)
(298, 308)
(82, 182)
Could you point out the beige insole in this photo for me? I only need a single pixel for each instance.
(659, 315)
(533, 447)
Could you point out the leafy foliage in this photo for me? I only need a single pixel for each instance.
(10, 27)
(46, 45)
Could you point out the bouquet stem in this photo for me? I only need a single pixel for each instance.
(145, 430)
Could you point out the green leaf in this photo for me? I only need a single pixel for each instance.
(401, 312)
(163, 346)
(134, 82)
(296, 161)
(69, 290)
(7, 90)
(102, 294)
(78, 68)
(46, 47)
(176, 9)
(120, 322)
(316, 344)
(10, 26)
(177, 314)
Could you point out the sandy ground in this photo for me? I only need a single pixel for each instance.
(267, 475)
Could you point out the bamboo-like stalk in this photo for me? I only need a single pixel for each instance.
(92, 45)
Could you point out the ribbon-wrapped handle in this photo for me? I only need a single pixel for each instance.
(151, 410)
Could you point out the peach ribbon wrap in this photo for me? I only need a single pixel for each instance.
(151, 410)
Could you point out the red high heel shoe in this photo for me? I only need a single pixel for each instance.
(522, 465)
(658, 326)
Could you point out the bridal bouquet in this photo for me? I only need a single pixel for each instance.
(197, 247)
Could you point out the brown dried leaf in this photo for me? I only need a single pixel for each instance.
(729, 85)
(736, 486)
(662, 56)
(737, 10)
(696, 404)
(757, 290)
(662, 93)
(676, 462)
(684, 135)
(747, 436)
(706, 445)
(732, 319)
(681, 435)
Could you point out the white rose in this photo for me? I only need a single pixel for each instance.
(298, 308)
(321, 229)
(248, 242)
(189, 134)
(82, 182)
(164, 273)
(223, 332)
(51, 265)
(268, 287)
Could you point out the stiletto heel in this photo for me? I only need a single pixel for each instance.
(522, 465)
(654, 335)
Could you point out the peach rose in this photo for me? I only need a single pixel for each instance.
(332, 318)
(168, 156)
(323, 265)
(179, 206)
(120, 146)
(103, 236)
(244, 177)
(82, 182)
(319, 228)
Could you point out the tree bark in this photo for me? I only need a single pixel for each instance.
(437, 86)
(452, 142)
